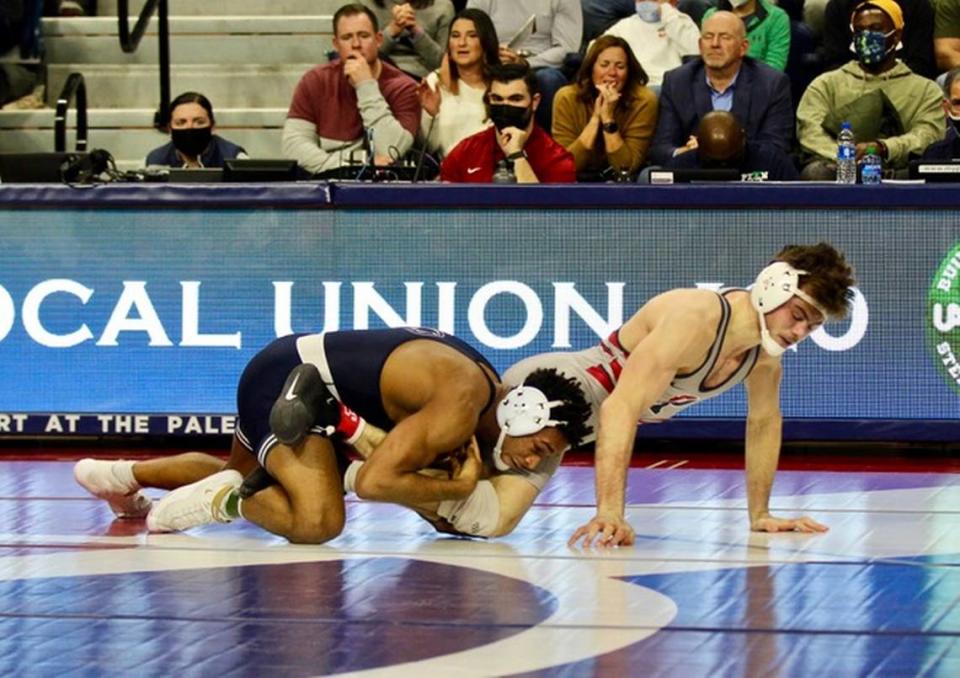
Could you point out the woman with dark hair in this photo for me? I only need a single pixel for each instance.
(452, 97)
(413, 32)
(607, 117)
(192, 141)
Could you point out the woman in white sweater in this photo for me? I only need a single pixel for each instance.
(452, 97)
(413, 32)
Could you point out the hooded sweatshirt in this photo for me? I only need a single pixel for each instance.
(916, 99)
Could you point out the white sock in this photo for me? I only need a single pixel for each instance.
(478, 514)
(350, 477)
(123, 471)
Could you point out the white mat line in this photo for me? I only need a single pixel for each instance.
(784, 509)
(597, 555)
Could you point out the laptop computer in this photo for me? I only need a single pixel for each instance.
(35, 168)
(259, 170)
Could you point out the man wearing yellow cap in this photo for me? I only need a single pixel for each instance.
(889, 106)
(917, 38)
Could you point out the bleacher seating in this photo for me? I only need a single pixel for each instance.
(245, 55)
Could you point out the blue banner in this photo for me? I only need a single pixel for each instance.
(139, 311)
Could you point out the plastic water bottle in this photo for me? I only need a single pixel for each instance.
(846, 155)
(504, 173)
(871, 167)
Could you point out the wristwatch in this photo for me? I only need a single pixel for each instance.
(611, 127)
(517, 155)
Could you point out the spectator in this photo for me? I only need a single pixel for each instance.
(17, 81)
(917, 36)
(192, 141)
(11, 23)
(414, 32)
(723, 79)
(946, 34)
(338, 107)
(558, 29)
(66, 8)
(512, 98)
(888, 106)
(722, 143)
(949, 147)
(452, 99)
(600, 15)
(812, 13)
(659, 35)
(606, 118)
(768, 29)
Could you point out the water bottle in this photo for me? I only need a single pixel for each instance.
(846, 155)
(871, 167)
(504, 173)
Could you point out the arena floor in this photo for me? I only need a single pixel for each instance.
(879, 595)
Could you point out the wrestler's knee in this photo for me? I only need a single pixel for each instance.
(316, 529)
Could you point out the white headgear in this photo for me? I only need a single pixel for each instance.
(777, 284)
(524, 411)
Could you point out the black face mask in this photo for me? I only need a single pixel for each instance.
(191, 141)
(503, 116)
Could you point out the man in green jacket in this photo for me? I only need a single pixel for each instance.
(768, 29)
(890, 107)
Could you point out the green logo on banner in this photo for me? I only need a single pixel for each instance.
(943, 317)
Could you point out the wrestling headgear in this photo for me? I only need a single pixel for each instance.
(777, 284)
(524, 411)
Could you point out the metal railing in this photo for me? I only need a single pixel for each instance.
(73, 88)
(129, 41)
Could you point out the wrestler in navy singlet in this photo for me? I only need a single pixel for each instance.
(356, 359)
(349, 362)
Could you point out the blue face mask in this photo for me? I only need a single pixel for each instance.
(649, 11)
(871, 46)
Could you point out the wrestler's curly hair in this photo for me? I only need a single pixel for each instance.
(829, 277)
(574, 411)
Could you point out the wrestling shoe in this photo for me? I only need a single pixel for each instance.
(194, 505)
(113, 482)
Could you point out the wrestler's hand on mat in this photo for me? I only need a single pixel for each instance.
(769, 523)
(606, 529)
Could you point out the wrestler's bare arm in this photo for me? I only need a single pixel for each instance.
(436, 395)
(646, 375)
(762, 451)
(678, 336)
(764, 426)
(390, 473)
(515, 496)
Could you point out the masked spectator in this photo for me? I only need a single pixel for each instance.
(888, 106)
(192, 141)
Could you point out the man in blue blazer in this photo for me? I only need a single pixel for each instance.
(723, 79)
